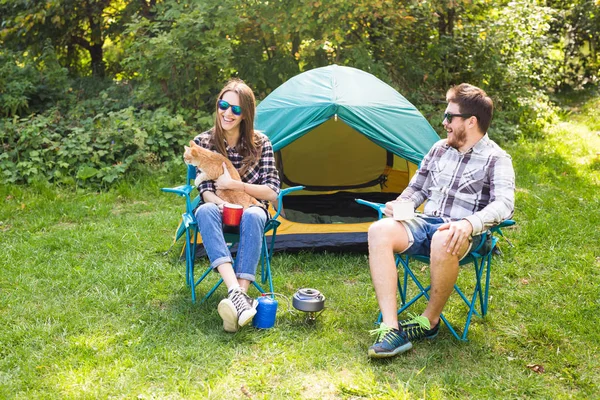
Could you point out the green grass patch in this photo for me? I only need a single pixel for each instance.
(91, 307)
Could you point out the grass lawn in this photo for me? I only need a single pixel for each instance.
(91, 307)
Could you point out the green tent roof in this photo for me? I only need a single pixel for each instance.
(361, 100)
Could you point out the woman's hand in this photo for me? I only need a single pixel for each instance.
(225, 182)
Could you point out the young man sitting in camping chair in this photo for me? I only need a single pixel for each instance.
(469, 183)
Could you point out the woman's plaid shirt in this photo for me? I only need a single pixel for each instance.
(478, 185)
(263, 173)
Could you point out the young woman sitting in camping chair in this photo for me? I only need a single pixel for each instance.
(251, 153)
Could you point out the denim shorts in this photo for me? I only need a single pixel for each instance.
(420, 231)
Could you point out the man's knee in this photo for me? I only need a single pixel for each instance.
(387, 232)
(380, 230)
(437, 241)
(439, 246)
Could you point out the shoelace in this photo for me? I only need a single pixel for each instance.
(239, 301)
(381, 331)
(410, 318)
(413, 319)
(417, 325)
(419, 320)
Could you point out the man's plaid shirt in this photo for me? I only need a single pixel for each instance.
(263, 173)
(478, 185)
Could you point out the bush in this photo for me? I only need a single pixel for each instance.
(29, 85)
(92, 151)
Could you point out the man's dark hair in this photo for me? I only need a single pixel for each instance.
(472, 100)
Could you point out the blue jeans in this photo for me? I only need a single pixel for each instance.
(252, 226)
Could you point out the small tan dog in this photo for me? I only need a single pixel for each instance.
(210, 165)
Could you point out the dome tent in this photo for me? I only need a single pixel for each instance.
(343, 134)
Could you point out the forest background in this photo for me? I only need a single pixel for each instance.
(91, 90)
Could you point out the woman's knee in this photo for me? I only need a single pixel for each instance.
(207, 209)
(208, 214)
(254, 216)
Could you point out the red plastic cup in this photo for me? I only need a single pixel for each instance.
(232, 215)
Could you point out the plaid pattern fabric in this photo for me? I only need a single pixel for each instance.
(478, 185)
(263, 173)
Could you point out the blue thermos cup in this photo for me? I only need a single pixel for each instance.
(265, 312)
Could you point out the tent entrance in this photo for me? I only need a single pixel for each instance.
(336, 208)
(333, 156)
(336, 164)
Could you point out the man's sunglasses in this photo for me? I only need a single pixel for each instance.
(449, 116)
(223, 105)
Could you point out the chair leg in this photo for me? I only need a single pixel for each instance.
(265, 261)
(401, 288)
(214, 288)
(190, 253)
(268, 248)
(265, 268)
(423, 292)
(467, 302)
(488, 271)
(479, 265)
(479, 274)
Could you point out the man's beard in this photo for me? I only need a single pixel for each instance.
(459, 137)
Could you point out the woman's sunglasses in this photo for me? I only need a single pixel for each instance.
(449, 116)
(223, 105)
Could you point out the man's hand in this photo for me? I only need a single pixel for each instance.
(225, 182)
(459, 232)
(389, 209)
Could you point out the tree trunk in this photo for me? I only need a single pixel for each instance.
(446, 22)
(147, 6)
(95, 18)
(98, 64)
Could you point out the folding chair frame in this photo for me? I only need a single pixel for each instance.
(190, 225)
(482, 264)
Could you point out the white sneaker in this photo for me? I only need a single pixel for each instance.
(237, 310)
(229, 315)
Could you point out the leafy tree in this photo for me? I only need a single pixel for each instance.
(576, 31)
(182, 57)
(78, 29)
(30, 84)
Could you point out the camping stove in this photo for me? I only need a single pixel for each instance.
(310, 301)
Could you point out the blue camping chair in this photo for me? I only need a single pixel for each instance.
(189, 226)
(482, 263)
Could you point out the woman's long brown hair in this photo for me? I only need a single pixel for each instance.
(249, 145)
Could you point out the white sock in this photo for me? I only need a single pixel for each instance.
(231, 289)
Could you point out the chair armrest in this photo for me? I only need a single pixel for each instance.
(183, 191)
(503, 224)
(377, 206)
(506, 222)
(282, 193)
(493, 230)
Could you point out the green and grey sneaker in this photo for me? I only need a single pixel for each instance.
(419, 328)
(389, 342)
